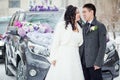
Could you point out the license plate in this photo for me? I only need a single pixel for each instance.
(0, 52)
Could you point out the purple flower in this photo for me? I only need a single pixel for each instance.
(48, 29)
(21, 32)
(18, 24)
(36, 28)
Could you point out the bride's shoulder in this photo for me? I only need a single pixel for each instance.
(60, 25)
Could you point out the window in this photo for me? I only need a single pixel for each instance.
(21, 16)
(14, 3)
(14, 18)
(11, 20)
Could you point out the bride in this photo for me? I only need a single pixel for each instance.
(65, 59)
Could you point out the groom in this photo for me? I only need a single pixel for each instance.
(93, 49)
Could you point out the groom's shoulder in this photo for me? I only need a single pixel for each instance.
(101, 25)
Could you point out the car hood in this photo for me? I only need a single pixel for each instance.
(38, 38)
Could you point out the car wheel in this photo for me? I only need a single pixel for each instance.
(8, 72)
(21, 71)
(2, 56)
(1, 59)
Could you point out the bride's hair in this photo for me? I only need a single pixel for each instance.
(70, 16)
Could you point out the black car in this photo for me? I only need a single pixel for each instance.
(27, 57)
(111, 65)
(3, 25)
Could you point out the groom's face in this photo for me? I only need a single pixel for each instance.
(87, 14)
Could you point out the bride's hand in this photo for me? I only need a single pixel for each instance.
(53, 62)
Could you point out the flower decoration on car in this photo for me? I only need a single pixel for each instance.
(25, 27)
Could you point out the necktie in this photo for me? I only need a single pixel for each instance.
(88, 26)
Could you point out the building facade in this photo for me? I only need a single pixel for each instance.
(8, 7)
(108, 11)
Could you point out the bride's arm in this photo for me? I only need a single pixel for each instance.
(56, 42)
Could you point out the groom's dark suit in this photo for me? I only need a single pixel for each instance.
(93, 49)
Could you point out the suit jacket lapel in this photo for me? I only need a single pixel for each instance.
(92, 24)
(88, 29)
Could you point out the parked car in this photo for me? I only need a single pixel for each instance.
(27, 55)
(111, 66)
(3, 25)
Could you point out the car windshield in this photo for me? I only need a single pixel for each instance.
(43, 38)
(49, 18)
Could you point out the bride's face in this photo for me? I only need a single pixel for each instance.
(77, 15)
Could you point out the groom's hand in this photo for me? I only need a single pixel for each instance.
(96, 67)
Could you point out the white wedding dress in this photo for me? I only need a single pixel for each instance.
(65, 51)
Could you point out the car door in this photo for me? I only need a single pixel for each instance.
(9, 37)
(16, 39)
(13, 38)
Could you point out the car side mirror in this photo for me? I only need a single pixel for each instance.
(13, 32)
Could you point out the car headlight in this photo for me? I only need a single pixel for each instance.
(117, 67)
(38, 49)
(105, 57)
(32, 72)
(1, 43)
